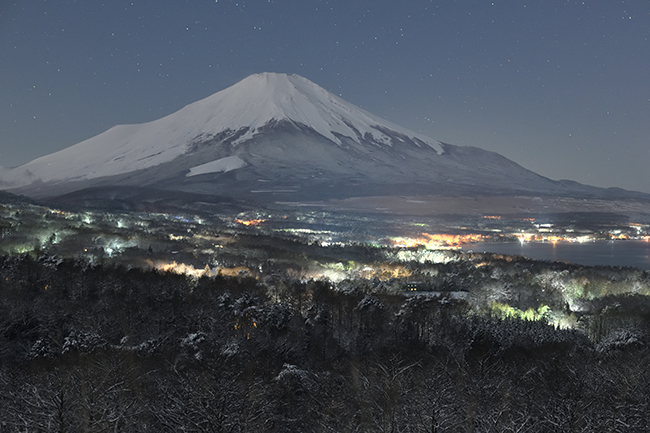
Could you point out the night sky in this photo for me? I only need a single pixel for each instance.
(561, 87)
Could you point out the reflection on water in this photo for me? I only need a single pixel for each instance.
(612, 253)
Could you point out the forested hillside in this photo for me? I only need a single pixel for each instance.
(106, 348)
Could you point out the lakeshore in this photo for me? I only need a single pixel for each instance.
(633, 253)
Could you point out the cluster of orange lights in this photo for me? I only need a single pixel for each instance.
(250, 222)
(623, 236)
(439, 240)
(492, 217)
(529, 237)
(179, 268)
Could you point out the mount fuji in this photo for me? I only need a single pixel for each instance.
(278, 137)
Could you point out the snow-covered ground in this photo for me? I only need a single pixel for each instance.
(222, 165)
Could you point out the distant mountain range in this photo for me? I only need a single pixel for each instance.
(279, 137)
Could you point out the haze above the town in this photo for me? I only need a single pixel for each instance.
(559, 87)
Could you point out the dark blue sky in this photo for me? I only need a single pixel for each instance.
(561, 87)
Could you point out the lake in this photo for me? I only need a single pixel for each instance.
(612, 253)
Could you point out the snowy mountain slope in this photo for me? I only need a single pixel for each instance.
(238, 113)
(278, 137)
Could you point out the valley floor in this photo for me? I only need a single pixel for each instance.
(485, 205)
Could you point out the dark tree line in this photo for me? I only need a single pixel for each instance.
(108, 348)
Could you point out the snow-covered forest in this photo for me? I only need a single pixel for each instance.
(304, 321)
(107, 348)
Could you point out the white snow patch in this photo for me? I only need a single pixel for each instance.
(247, 136)
(224, 165)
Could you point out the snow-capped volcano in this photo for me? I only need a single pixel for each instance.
(240, 111)
(276, 134)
